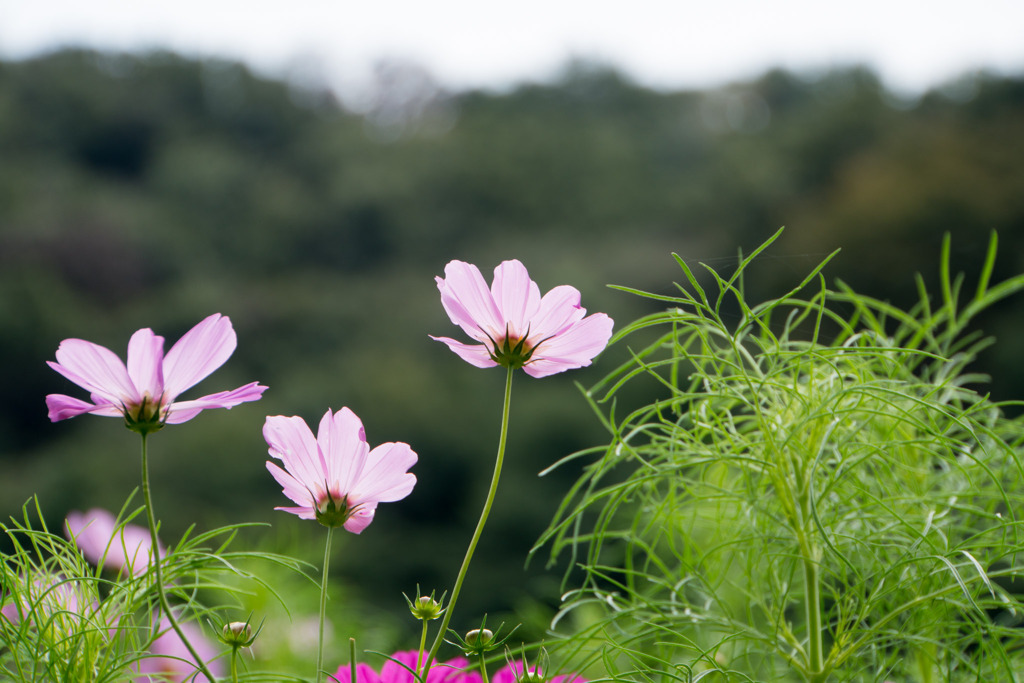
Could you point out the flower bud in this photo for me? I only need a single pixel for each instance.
(238, 634)
(479, 639)
(426, 608)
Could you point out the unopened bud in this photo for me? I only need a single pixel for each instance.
(479, 639)
(237, 634)
(426, 608)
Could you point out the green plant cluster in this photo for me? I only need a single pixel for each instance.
(821, 492)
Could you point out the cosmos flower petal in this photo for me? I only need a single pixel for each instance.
(572, 349)
(386, 477)
(398, 668)
(517, 296)
(96, 369)
(342, 434)
(559, 309)
(474, 354)
(293, 443)
(468, 301)
(145, 363)
(364, 674)
(360, 519)
(291, 486)
(300, 512)
(183, 411)
(199, 352)
(61, 407)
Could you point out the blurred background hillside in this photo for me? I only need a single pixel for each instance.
(150, 190)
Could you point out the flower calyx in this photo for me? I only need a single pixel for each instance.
(425, 607)
(334, 512)
(479, 641)
(144, 418)
(239, 634)
(511, 351)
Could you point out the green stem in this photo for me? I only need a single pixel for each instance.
(353, 669)
(157, 571)
(483, 668)
(323, 607)
(479, 526)
(234, 664)
(812, 606)
(419, 653)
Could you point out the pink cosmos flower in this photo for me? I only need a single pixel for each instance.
(518, 671)
(103, 541)
(335, 478)
(399, 670)
(171, 662)
(145, 391)
(515, 326)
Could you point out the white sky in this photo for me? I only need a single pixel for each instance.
(914, 44)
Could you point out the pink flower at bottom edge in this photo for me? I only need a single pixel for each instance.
(516, 671)
(169, 657)
(516, 327)
(145, 390)
(398, 669)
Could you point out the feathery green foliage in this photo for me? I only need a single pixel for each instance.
(820, 492)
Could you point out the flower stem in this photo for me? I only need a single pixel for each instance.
(353, 669)
(157, 571)
(419, 653)
(479, 526)
(323, 606)
(815, 656)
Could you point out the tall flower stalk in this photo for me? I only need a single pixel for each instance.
(514, 327)
(335, 479)
(323, 604)
(488, 503)
(165, 605)
(144, 392)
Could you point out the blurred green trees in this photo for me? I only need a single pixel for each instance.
(152, 190)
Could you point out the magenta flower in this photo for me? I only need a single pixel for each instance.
(398, 669)
(518, 671)
(145, 391)
(169, 661)
(335, 478)
(515, 326)
(104, 542)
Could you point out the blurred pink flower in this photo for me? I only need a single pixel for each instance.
(103, 541)
(335, 478)
(144, 391)
(169, 660)
(400, 671)
(515, 326)
(49, 598)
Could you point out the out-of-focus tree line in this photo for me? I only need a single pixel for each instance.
(151, 191)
